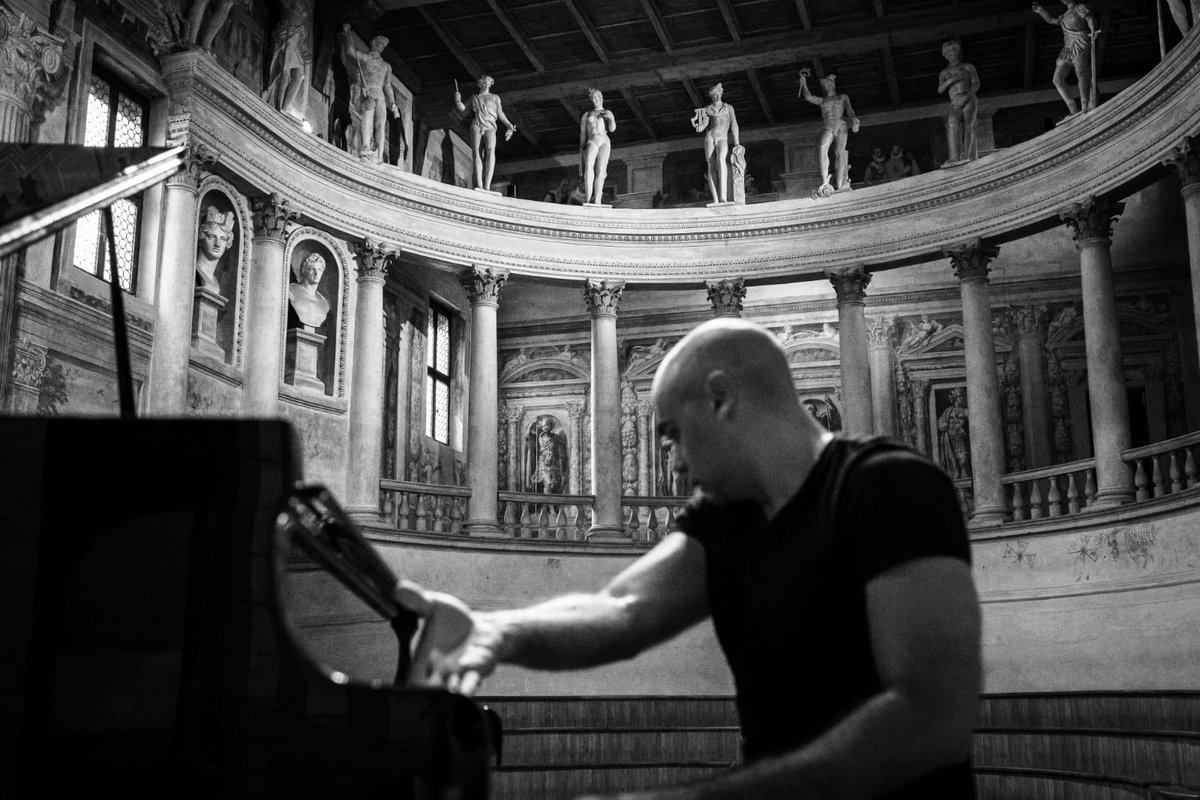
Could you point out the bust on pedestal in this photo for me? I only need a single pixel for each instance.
(215, 237)
(309, 308)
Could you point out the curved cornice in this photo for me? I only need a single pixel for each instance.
(1012, 190)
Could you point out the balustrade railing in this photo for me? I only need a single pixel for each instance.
(561, 517)
(648, 519)
(424, 507)
(1164, 467)
(1056, 491)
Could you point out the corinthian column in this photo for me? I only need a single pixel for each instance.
(727, 296)
(365, 446)
(265, 306)
(1091, 224)
(512, 419)
(167, 392)
(575, 414)
(1029, 322)
(850, 284)
(1186, 159)
(602, 297)
(986, 432)
(645, 409)
(881, 354)
(483, 286)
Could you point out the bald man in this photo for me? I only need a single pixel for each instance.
(836, 573)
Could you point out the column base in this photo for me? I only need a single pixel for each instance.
(484, 529)
(720, 204)
(604, 533)
(1111, 498)
(365, 515)
(597, 205)
(988, 515)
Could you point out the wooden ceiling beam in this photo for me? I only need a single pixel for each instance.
(572, 112)
(588, 31)
(517, 36)
(660, 27)
(690, 87)
(730, 20)
(764, 102)
(804, 14)
(889, 72)
(639, 111)
(452, 44)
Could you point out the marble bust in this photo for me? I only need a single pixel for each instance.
(311, 307)
(214, 237)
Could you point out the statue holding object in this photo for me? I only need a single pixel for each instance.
(719, 124)
(1079, 52)
(840, 121)
(486, 110)
(291, 59)
(595, 146)
(371, 97)
(961, 81)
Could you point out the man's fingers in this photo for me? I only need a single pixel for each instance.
(470, 683)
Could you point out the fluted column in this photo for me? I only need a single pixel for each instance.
(265, 305)
(1186, 159)
(483, 286)
(881, 354)
(365, 444)
(1091, 224)
(985, 428)
(603, 297)
(1029, 322)
(726, 296)
(512, 417)
(167, 390)
(645, 409)
(920, 401)
(575, 414)
(850, 284)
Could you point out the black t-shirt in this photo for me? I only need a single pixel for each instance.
(788, 597)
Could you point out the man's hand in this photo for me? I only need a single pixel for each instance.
(464, 669)
(508, 134)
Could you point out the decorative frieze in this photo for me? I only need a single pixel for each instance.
(29, 365)
(971, 260)
(33, 75)
(602, 296)
(272, 214)
(881, 332)
(1091, 219)
(483, 284)
(850, 284)
(373, 259)
(727, 296)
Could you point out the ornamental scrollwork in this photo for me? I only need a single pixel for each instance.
(727, 296)
(971, 260)
(1091, 219)
(850, 284)
(483, 284)
(602, 296)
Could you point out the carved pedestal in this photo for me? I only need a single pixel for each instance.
(204, 323)
(302, 348)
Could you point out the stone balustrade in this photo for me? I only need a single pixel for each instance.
(559, 517)
(424, 507)
(1060, 490)
(648, 519)
(1164, 468)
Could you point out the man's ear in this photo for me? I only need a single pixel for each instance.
(721, 393)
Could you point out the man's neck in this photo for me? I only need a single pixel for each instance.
(784, 477)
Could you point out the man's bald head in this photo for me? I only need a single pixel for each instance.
(749, 355)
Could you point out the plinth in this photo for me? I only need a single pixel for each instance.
(208, 307)
(303, 345)
(597, 205)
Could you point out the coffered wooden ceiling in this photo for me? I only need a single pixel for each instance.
(655, 59)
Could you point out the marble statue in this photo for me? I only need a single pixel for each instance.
(486, 110)
(670, 482)
(1079, 53)
(214, 238)
(371, 97)
(824, 412)
(960, 82)
(546, 456)
(203, 34)
(919, 333)
(876, 171)
(839, 122)
(594, 146)
(954, 452)
(306, 300)
(291, 59)
(718, 122)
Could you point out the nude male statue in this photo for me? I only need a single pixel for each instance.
(371, 91)
(718, 122)
(204, 35)
(594, 146)
(961, 81)
(1079, 45)
(486, 109)
(840, 120)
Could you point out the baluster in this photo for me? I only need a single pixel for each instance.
(1072, 494)
(581, 522)
(1055, 497)
(402, 512)
(456, 515)
(652, 534)
(510, 518)
(560, 522)
(543, 528)
(1018, 502)
(1141, 481)
(1173, 470)
(1159, 488)
(439, 513)
(524, 534)
(670, 523)
(1089, 487)
(1189, 467)
(1035, 500)
(632, 523)
(422, 511)
(388, 507)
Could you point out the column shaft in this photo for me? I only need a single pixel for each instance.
(602, 298)
(575, 412)
(1191, 206)
(882, 368)
(850, 285)
(645, 486)
(483, 288)
(167, 391)
(365, 445)
(265, 305)
(1039, 441)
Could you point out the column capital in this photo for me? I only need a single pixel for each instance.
(196, 166)
(881, 332)
(576, 411)
(512, 414)
(849, 283)
(1091, 219)
(645, 408)
(483, 285)
(727, 296)
(35, 72)
(971, 260)
(1028, 320)
(602, 296)
(373, 260)
(1186, 160)
(271, 216)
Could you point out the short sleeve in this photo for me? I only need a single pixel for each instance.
(898, 507)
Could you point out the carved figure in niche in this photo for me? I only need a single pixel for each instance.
(840, 121)
(546, 457)
(486, 110)
(594, 146)
(920, 333)
(201, 33)
(960, 82)
(1079, 52)
(718, 122)
(214, 238)
(306, 300)
(901, 164)
(670, 482)
(291, 56)
(1065, 319)
(876, 171)
(371, 96)
(954, 450)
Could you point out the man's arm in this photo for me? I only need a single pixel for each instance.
(500, 116)
(660, 595)
(850, 115)
(1044, 14)
(733, 127)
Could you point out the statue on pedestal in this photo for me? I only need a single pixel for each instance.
(594, 146)
(214, 237)
(961, 81)
(546, 457)
(719, 124)
(202, 34)
(1079, 52)
(291, 58)
(839, 122)
(486, 110)
(310, 306)
(954, 451)
(371, 97)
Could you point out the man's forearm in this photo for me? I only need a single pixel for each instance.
(570, 632)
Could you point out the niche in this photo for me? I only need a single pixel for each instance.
(315, 307)
(220, 251)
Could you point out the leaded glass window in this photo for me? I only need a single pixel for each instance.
(437, 379)
(116, 117)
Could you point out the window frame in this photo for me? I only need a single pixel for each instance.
(434, 376)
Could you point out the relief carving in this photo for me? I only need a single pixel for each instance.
(33, 73)
(1091, 219)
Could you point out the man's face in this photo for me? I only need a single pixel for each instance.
(311, 272)
(213, 241)
(378, 43)
(828, 83)
(877, 154)
(896, 151)
(705, 454)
